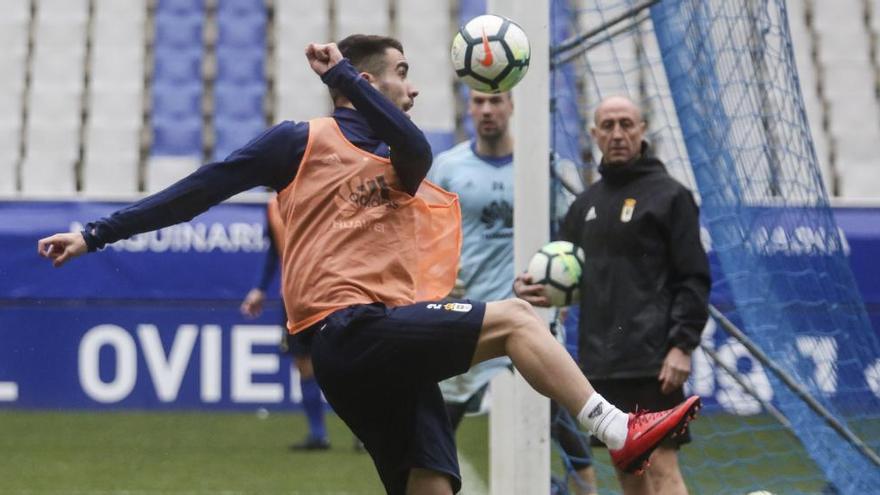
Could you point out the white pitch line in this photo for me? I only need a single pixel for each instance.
(471, 481)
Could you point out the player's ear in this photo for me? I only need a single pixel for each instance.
(369, 77)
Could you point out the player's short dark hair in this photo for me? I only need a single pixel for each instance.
(366, 52)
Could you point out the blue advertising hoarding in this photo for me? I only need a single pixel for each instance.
(153, 322)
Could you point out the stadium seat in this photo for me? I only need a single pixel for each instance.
(110, 161)
(840, 14)
(123, 13)
(296, 24)
(48, 172)
(177, 101)
(238, 102)
(122, 107)
(178, 31)
(297, 104)
(162, 171)
(58, 68)
(102, 140)
(178, 66)
(52, 137)
(16, 9)
(241, 31)
(63, 10)
(119, 33)
(177, 136)
(240, 66)
(362, 16)
(874, 18)
(859, 181)
(11, 99)
(63, 107)
(232, 134)
(13, 35)
(60, 33)
(110, 175)
(10, 140)
(434, 110)
(853, 46)
(241, 7)
(180, 6)
(858, 148)
(50, 152)
(115, 66)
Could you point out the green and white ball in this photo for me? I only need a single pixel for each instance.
(491, 53)
(558, 267)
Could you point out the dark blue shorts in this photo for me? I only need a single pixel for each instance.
(379, 368)
(299, 345)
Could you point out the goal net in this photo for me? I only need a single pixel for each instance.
(719, 88)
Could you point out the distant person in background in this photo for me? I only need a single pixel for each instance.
(645, 284)
(480, 171)
(295, 345)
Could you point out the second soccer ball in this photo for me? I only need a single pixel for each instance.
(558, 266)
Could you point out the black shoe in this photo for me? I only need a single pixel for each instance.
(311, 444)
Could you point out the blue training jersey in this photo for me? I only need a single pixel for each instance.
(485, 189)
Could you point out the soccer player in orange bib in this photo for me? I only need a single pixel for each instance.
(370, 248)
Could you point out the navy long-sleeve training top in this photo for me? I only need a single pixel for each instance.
(272, 158)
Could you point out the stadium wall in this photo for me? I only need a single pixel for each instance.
(153, 322)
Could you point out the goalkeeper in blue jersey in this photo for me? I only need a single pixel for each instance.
(480, 171)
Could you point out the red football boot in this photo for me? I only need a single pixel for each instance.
(648, 429)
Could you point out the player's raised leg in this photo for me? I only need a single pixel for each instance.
(511, 327)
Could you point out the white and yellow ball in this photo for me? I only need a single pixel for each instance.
(558, 267)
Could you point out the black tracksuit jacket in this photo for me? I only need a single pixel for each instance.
(645, 284)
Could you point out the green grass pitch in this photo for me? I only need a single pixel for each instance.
(194, 453)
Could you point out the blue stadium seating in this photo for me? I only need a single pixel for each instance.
(177, 65)
(237, 31)
(238, 101)
(177, 100)
(241, 7)
(180, 6)
(240, 66)
(177, 78)
(232, 134)
(179, 31)
(177, 136)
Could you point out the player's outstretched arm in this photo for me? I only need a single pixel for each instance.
(60, 248)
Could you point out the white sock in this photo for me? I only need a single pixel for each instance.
(607, 422)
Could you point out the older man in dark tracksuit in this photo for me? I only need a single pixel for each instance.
(645, 283)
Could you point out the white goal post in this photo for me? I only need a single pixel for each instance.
(519, 425)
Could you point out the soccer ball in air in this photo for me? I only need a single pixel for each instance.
(558, 266)
(491, 53)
